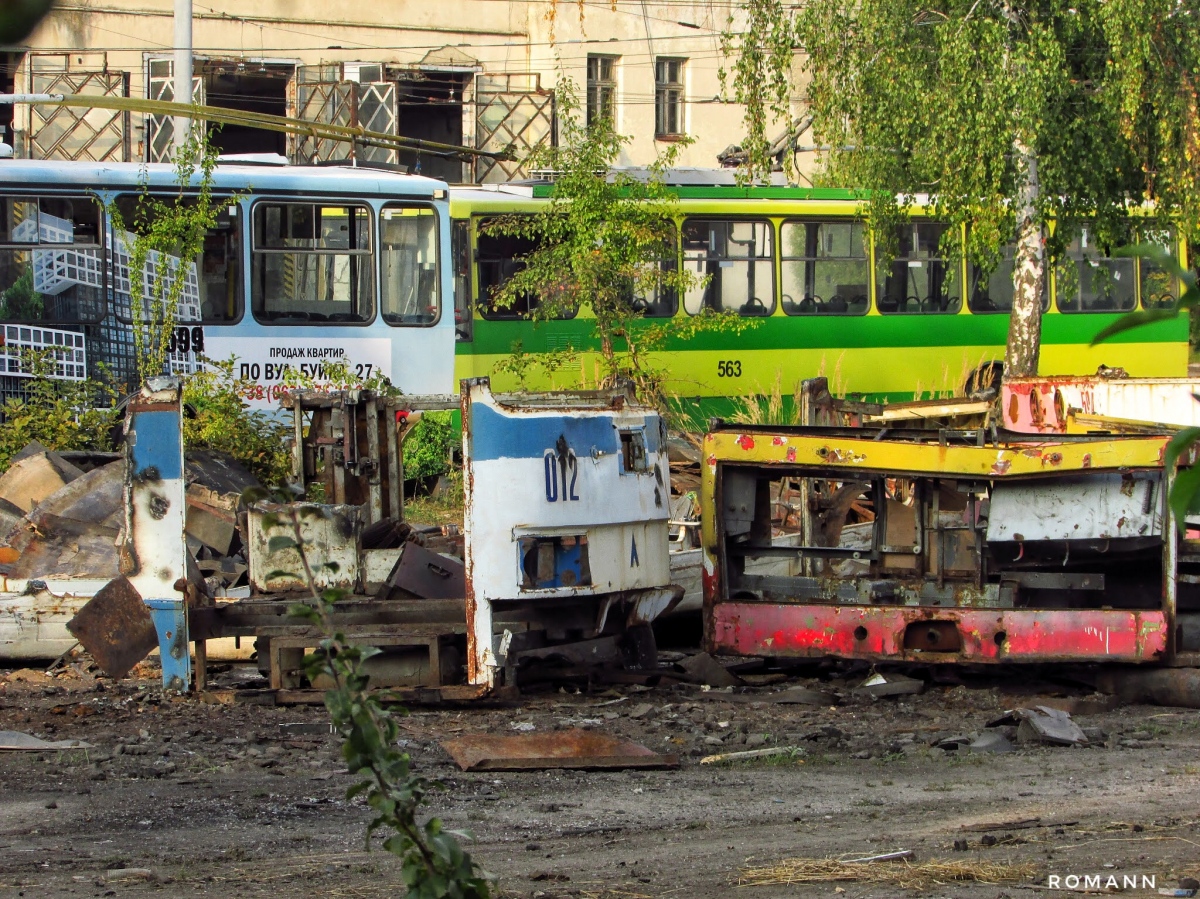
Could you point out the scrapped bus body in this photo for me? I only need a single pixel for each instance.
(944, 547)
(560, 558)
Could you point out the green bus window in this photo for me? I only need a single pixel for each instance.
(1087, 279)
(825, 268)
(737, 257)
(409, 281)
(497, 258)
(212, 291)
(919, 279)
(460, 253)
(312, 263)
(51, 261)
(665, 302)
(1159, 289)
(994, 292)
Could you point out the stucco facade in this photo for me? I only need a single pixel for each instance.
(480, 73)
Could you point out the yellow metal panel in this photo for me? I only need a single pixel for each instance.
(863, 454)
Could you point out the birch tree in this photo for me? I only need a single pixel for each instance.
(1009, 115)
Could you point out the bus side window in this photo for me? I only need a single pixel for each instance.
(994, 292)
(919, 279)
(51, 268)
(737, 258)
(497, 258)
(312, 263)
(1158, 287)
(1087, 279)
(825, 268)
(212, 291)
(460, 254)
(410, 283)
(665, 301)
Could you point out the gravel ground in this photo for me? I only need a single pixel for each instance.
(185, 798)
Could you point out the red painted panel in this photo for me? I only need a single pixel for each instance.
(877, 632)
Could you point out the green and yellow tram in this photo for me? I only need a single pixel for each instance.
(805, 266)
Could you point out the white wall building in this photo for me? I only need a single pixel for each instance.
(480, 73)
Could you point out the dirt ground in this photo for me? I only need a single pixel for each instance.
(248, 800)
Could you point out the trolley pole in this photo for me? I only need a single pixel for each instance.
(183, 68)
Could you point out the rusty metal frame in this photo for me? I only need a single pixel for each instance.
(877, 631)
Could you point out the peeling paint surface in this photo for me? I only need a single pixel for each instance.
(987, 635)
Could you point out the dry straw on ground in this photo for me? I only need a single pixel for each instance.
(910, 875)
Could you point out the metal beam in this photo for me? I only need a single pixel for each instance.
(316, 130)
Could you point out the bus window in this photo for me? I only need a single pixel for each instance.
(737, 258)
(408, 286)
(994, 293)
(1087, 279)
(212, 290)
(498, 257)
(920, 279)
(665, 301)
(312, 263)
(460, 252)
(51, 267)
(1159, 289)
(825, 268)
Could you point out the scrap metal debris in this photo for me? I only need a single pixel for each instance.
(115, 627)
(574, 748)
(15, 741)
(1043, 725)
(877, 686)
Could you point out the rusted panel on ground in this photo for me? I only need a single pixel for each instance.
(115, 627)
(981, 635)
(575, 748)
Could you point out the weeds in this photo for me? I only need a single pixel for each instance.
(433, 863)
(59, 414)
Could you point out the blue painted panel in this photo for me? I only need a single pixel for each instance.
(157, 445)
(170, 621)
(498, 436)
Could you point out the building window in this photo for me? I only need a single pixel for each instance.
(668, 97)
(601, 89)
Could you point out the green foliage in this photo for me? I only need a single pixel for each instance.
(20, 301)
(601, 244)
(224, 422)
(428, 447)
(434, 864)
(338, 376)
(18, 18)
(1008, 115)
(168, 236)
(59, 414)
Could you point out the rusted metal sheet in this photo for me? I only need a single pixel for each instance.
(574, 748)
(115, 627)
(1043, 405)
(427, 574)
(937, 635)
(330, 535)
(33, 618)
